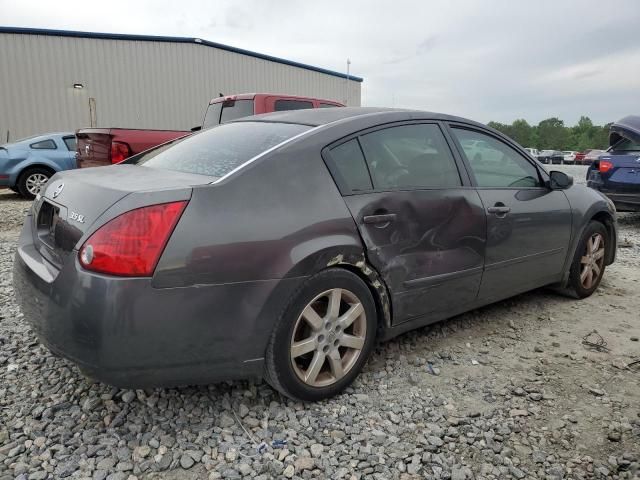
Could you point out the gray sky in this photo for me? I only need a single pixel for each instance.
(486, 60)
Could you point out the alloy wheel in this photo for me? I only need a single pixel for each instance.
(328, 337)
(35, 182)
(592, 262)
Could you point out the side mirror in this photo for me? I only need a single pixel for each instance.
(560, 180)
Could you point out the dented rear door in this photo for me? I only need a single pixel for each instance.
(424, 230)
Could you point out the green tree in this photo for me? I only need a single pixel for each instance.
(522, 132)
(501, 127)
(582, 135)
(552, 134)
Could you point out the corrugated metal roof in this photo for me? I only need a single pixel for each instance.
(156, 38)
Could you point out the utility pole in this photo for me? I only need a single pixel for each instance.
(347, 93)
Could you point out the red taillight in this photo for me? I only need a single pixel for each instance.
(119, 151)
(605, 166)
(130, 245)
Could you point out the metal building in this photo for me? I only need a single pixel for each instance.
(54, 80)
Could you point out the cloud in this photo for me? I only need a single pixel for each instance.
(427, 44)
(492, 60)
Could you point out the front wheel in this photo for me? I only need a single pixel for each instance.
(588, 264)
(323, 338)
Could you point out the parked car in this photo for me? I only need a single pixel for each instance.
(26, 165)
(579, 160)
(232, 107)
(592, 155)
(551, 157)
(106, 146)
(569, 157)
(533, 152)
(616, 173)
(283, 245)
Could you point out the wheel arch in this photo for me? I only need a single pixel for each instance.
(353, 259)
(31, 166)
(604, 217)
(609, 224)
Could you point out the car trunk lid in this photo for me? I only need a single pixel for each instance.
(74, 200)
(628, 127)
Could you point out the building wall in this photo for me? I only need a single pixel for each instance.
(135, 84)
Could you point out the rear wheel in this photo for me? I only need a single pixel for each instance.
(589, 262)
(323, 338)
(32, 181)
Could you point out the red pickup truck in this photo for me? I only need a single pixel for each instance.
(104, 146)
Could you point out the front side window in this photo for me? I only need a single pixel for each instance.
(494, 163)
(349, 167)
(218, 151)
(70, 142)
(410, 156)
(281, 105)
(44, 145)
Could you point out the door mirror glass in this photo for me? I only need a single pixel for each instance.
(560, 180)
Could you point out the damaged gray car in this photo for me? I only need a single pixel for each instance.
(285, 245)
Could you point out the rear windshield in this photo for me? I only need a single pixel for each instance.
(626, 145)
(222, 112)
(217, 151)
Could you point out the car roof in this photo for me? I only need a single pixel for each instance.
(39, 138)
(316, 117)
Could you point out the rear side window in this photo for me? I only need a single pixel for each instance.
(44, 145)
(281, 105)
(349, 167)
(410, 156)
(327, 105)
(218, 151)
(70, 142)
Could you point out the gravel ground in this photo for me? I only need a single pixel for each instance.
(506, 391)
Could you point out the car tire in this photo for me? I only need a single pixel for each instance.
(323, 337)
(32, 180)
(14, 189)
(588, 263)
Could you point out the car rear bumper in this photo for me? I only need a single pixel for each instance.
(624, 201)
(124, 332)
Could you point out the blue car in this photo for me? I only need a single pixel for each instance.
(616, 173)
(27, 165)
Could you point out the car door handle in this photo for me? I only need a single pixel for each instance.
(499, 210)
(376, 219)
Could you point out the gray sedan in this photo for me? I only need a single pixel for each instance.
(284, 245)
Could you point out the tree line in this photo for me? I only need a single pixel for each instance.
(552, 134)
